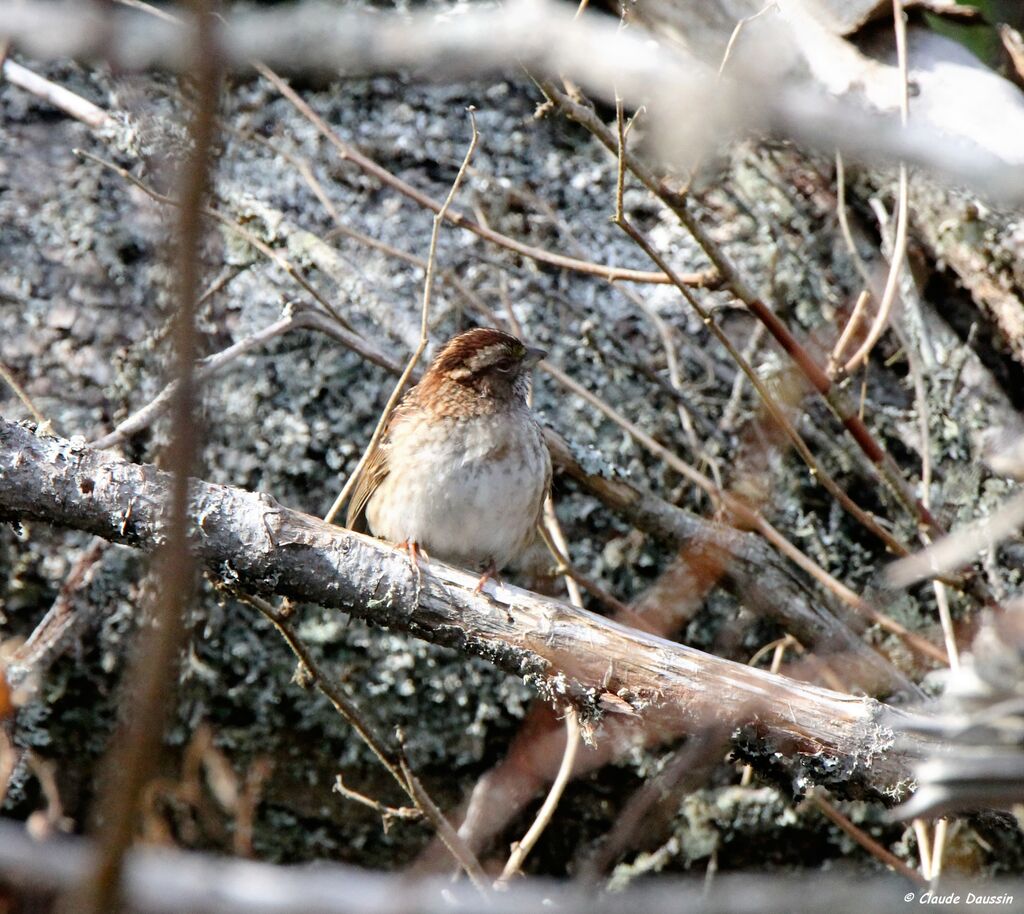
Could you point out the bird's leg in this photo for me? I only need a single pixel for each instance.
(414, 551)
(491, 571)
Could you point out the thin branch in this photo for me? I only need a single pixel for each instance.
(133, 754)
(232, 226)
(522, 848)
(924, 424)
(853, 325)
(428, 286)
(202, 371)
(750, 519)
(924, 846)
(392, 759)
(961, 546)
(386, 813)
(740, 25)
(559, 547)
(887, 468)
(939, 848)
(849, 331)
(8, 376)
(661, 326)
(350, 154)
(206, 368)
(31, 659)
(866, 841)
(67, 101)
(817, 471)
(899, 249)
(448, 835)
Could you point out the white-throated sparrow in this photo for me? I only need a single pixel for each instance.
(462, 469)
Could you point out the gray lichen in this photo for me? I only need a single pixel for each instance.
(83, 318)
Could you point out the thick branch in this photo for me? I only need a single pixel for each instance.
(262, 546)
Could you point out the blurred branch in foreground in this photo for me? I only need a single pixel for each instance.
(171, 881)
(694, 110)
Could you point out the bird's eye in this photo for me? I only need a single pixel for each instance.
(504, 365)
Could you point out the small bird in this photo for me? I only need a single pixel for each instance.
(462, 469)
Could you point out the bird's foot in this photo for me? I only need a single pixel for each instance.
(490, 573)
(415, 551)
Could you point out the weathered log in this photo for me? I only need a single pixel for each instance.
(569, 654)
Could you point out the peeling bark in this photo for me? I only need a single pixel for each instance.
(259, 545)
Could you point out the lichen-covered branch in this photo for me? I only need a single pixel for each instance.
(571, 654)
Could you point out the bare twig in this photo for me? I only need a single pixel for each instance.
(522, 848)
(231, 225)
(386, 813)
(8, 376)
(748, 518)
(961, 545)
(392, 759)
(887, 468)
(661, 326)
(204, 369)
(559, 548)
(924, 424)
(351, 154)
(778, 414)
(759, 523)
(865, 840)
(939, 848)
(428, 286)
(292, 319)
(924, 846)
(740, 25)
(247, 803)
(899, 249)
(68, 102)
(32, 658)
(849, 331)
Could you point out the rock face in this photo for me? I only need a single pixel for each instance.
(85, 296)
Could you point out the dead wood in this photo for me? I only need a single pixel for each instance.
(570, 654)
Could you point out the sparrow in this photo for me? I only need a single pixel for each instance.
(461, 471)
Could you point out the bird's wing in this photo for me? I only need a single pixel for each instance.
(375, 471)
(546, 489)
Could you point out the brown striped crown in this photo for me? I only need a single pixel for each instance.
(478, 371)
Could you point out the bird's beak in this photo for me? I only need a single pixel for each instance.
(533, 356)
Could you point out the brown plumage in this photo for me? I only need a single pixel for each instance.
(462, 469)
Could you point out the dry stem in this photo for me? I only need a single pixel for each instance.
(133, 754)
(428, 285)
